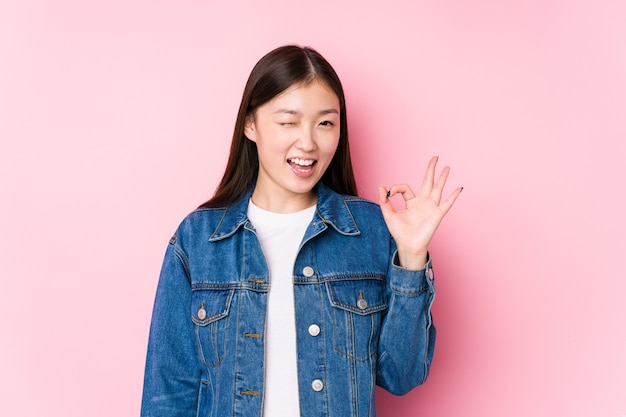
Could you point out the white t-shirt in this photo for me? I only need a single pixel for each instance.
(280, 235)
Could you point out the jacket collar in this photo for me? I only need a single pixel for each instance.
(331, 209)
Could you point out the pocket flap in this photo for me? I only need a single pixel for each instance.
(208, 306)
(362, 296)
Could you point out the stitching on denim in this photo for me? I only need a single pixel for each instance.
(213, 335)
(374, 276)
(199, 346)
(349, 337)
(236, 370)
(332, 277)
(353, 380)
(410, 293)
(361, 312)
(224, 332)
(372, 382)
(210, 326)
(209, 319)
(325, 221)
(429, 324)
(425, 360)
(200, 286)
(371, 342)
(213, 391)
(357, 231)
(217, 316)
(219, 224)
(365, 312)
(184, 261)
(215, 236)
(200, 399)
(212, 330)
(317, 232)
(357, 199)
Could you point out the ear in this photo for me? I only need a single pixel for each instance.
(249, 128)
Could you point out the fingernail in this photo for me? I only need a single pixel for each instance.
(388, 193)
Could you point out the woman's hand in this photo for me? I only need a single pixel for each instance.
(414, 227)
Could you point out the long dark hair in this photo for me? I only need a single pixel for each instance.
(274, 73)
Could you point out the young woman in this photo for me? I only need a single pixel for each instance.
(286, 294)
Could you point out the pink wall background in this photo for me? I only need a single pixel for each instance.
(115, 120)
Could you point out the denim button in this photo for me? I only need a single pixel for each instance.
(361, 303)
(314, 330)
(308, 271)
(202, 312)
(317, 385)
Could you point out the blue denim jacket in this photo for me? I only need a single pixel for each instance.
(206, 347)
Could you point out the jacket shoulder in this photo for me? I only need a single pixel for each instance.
(200, 222)
(361, 204)
(366, 213)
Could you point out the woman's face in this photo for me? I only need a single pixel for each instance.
(296, 134)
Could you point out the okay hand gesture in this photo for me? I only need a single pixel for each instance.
(414, 227)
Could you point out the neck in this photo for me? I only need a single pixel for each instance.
(283, 204)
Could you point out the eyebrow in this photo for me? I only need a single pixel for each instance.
(295, 112)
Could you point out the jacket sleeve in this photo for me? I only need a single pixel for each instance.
(407, 338)
(172, 374)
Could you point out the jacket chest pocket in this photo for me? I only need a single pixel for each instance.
(357, 307)
(209, 312)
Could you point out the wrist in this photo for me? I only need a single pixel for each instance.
(412, 260)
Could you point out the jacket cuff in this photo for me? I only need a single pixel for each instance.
(410, 282)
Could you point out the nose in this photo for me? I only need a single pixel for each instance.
(306, 140)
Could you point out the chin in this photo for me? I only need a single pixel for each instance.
(304, 189)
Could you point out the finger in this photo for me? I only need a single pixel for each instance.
(441, 182)
(429, 176)
(383, 195)
(404, 189)
(383, 200)
(447, 205)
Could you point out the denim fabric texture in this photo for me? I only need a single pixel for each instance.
(372, 319)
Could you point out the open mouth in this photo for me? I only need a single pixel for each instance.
(301, 165)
